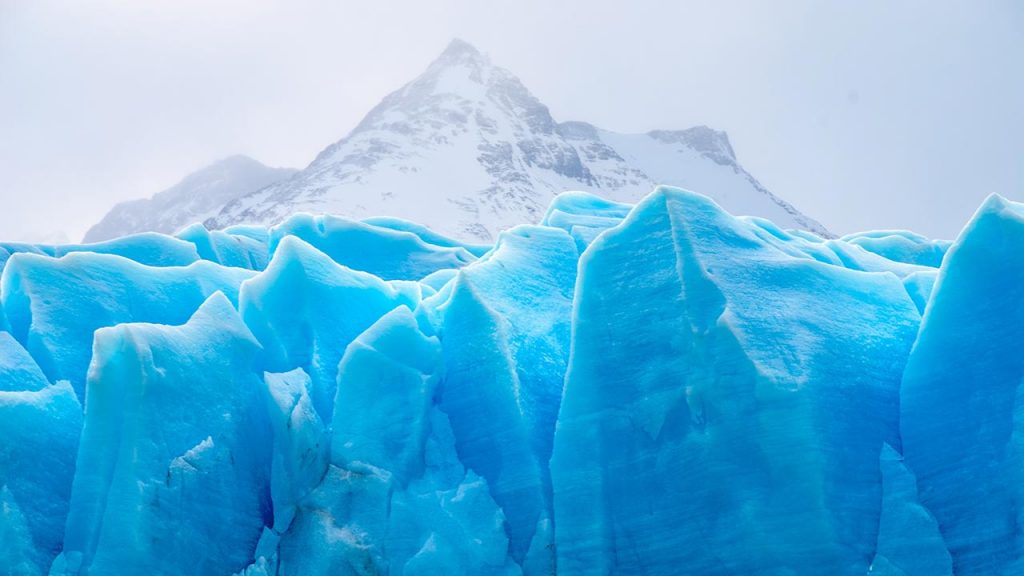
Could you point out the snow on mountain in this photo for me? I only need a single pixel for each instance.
(197, 197)
(467, 150)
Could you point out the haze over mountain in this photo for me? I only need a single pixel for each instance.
(466, 149)
(197, 197)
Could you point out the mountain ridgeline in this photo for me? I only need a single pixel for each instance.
(197, 197)
(467, 150)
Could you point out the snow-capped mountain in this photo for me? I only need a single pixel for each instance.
(466, 149)
(197, 197)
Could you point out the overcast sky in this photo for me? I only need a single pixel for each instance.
(867, 114)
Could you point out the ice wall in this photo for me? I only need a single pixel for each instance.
(653, 389)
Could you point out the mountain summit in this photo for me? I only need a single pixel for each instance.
(467, 149)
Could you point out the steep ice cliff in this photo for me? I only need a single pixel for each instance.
(657, 388)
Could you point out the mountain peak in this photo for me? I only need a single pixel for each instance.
(467, 149)
(460, 50)
(459, 63)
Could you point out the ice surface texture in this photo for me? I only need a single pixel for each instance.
(653, 389)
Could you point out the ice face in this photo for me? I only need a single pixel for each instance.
(725, 403)
(305, 308)
(584, 215)
(504, 370)
(909, 539)
(173, 471)
(54, 305)
(146, 248)
(18, 371)
(394, 493)
(237, 250)
(902, 246)
(618, 389)
(960, 402)
(39, 425)
(40, 432)
(388, 252)
(301, 449)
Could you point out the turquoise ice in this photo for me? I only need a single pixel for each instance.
(654, 389)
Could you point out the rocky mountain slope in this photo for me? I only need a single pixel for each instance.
(466, 149)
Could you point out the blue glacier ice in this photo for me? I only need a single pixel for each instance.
(387, 251)
(229, 248)
(504, 372)
(718, 379)
(902, 246)
(962, 398)
(909, 539)
(148, 248)
(173, 470)
(584, 215)
(54, 305)
(39, 427)
(425, 234)
(662, 388)
(305, 309)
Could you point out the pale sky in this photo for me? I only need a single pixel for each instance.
(866, 114)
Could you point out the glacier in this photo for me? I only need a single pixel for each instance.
(658, 388)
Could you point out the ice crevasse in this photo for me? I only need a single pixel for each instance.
(654, 389)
